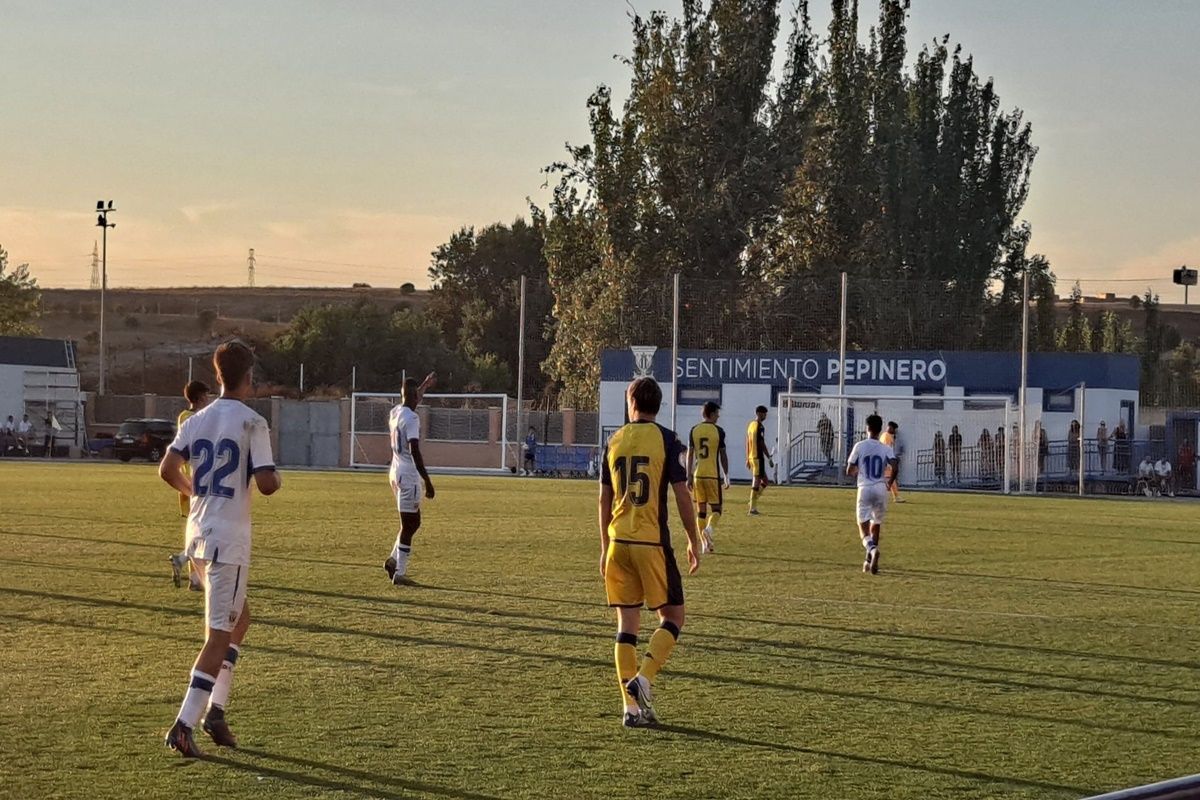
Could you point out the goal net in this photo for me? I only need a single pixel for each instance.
(459, 432)
(942, 442)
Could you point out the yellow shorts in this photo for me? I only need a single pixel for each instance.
(638, 575)
(707, 490)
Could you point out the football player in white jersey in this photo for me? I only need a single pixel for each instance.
(873, 463)
(407, 474)
(227, 445)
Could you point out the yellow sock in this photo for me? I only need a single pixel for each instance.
(753, 499)
(701, 519)
(713, 518)
(625, 654)
(662, 642)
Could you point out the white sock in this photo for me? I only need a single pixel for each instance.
(220, 692)
(401, 554)
(196, 699)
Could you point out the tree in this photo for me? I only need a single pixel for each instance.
(911, 179)
(20, 299)
(475, 298)
(407, 288)
(1075, 336)
(333, 340)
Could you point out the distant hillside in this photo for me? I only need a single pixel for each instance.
(152, 332)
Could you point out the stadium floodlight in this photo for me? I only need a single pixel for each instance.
(102, 222)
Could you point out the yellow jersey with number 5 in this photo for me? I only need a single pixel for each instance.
(641, 461)
(706, 441)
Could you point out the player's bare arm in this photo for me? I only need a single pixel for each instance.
(852, 470)
(170, 469)
(687, 513)
(415, 447)
(268, 481)
(725, 466)
(892, 464)
(606, 504)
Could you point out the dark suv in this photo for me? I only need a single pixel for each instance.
(143, 438)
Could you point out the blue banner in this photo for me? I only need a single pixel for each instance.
(977, 372)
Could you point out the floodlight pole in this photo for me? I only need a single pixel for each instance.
(102, 212)
(841, 448)
(1082, 428)
(675, 353)
(1024, 434)
(520, 371)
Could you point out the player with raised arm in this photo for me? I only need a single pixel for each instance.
(197, 395)
(708, 471)
(757, 457)
(228, 445)
(406, 475)
(641, 461)
(871, 462)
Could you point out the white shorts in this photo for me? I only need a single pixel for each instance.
(872, 503)
(224, 592)
(408, 497)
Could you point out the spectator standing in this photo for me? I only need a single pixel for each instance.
(1043, 443)
(985, 454)
(825, 432)
(955, 446)
(1073, 445)
(1120, 448)
(1000, 453)
(530, 449)
(1102, 446)
(1187, 464)
(939, 458)
(48, 439)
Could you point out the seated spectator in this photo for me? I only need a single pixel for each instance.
(24, 429)
(1147, 481)
(1166, 483)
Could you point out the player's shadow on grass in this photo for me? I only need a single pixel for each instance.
(593, 663)
(952, 772)
(380, 786)
(805, 652)
(1122, 589)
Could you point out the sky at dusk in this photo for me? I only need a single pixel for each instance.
(344, 141)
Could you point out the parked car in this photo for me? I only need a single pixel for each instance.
(143, 438)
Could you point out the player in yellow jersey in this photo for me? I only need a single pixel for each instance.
(197, 395)
(641, 462)
(757, 457)
(888, 437)
(708, 466)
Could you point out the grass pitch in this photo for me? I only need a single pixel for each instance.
(1011, 648)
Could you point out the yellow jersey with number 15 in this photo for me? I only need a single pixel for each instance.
(641, 461)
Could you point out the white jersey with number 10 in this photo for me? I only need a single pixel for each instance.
(871, 456)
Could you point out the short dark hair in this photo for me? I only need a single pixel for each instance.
(893, 426)
(233, 361)
(646, 395)
(874, 424)
(195, 390)
(410, 388)
(711, 407)
(760, 410)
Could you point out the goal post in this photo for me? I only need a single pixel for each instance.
(944, 442)
(459, 432)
